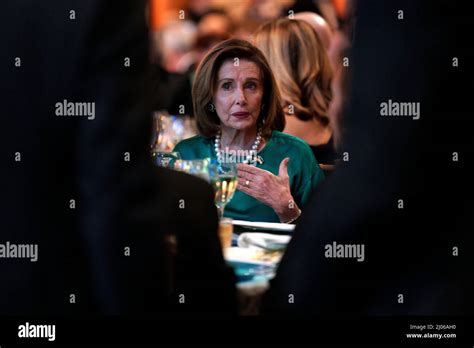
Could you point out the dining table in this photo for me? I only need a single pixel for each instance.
(251, 239)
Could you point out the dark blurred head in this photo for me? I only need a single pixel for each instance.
(215, 23)
(214, 27)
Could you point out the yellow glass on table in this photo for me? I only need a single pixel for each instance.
(225, 232)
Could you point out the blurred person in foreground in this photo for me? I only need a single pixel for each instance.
(303, 73)
(238, 109)
(84, 189)
(401, 196)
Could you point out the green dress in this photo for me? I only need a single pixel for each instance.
(303, 170)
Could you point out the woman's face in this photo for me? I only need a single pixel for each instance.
(239, 92)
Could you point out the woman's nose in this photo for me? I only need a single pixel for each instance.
(240, 97)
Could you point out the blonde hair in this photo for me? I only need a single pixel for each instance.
(301, 65)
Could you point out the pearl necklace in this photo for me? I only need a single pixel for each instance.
(258, 139)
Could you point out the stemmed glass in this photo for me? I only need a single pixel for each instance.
(224, 180)
(168, 130)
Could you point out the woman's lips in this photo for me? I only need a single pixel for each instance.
(241, 114)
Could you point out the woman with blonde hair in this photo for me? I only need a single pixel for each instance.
(303, 72)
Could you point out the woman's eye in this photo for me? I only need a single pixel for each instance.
(251, 85)
(226, 85)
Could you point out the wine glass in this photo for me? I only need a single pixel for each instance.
(160, 140)
(224, 180)
(165, 159)
(169, 130)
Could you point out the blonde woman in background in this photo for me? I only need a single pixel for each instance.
(303, 72)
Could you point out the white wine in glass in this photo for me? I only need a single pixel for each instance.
(224, 187)
(224, 180)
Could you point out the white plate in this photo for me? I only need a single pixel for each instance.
(271, 226)
(266, 241)
(246, 255)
